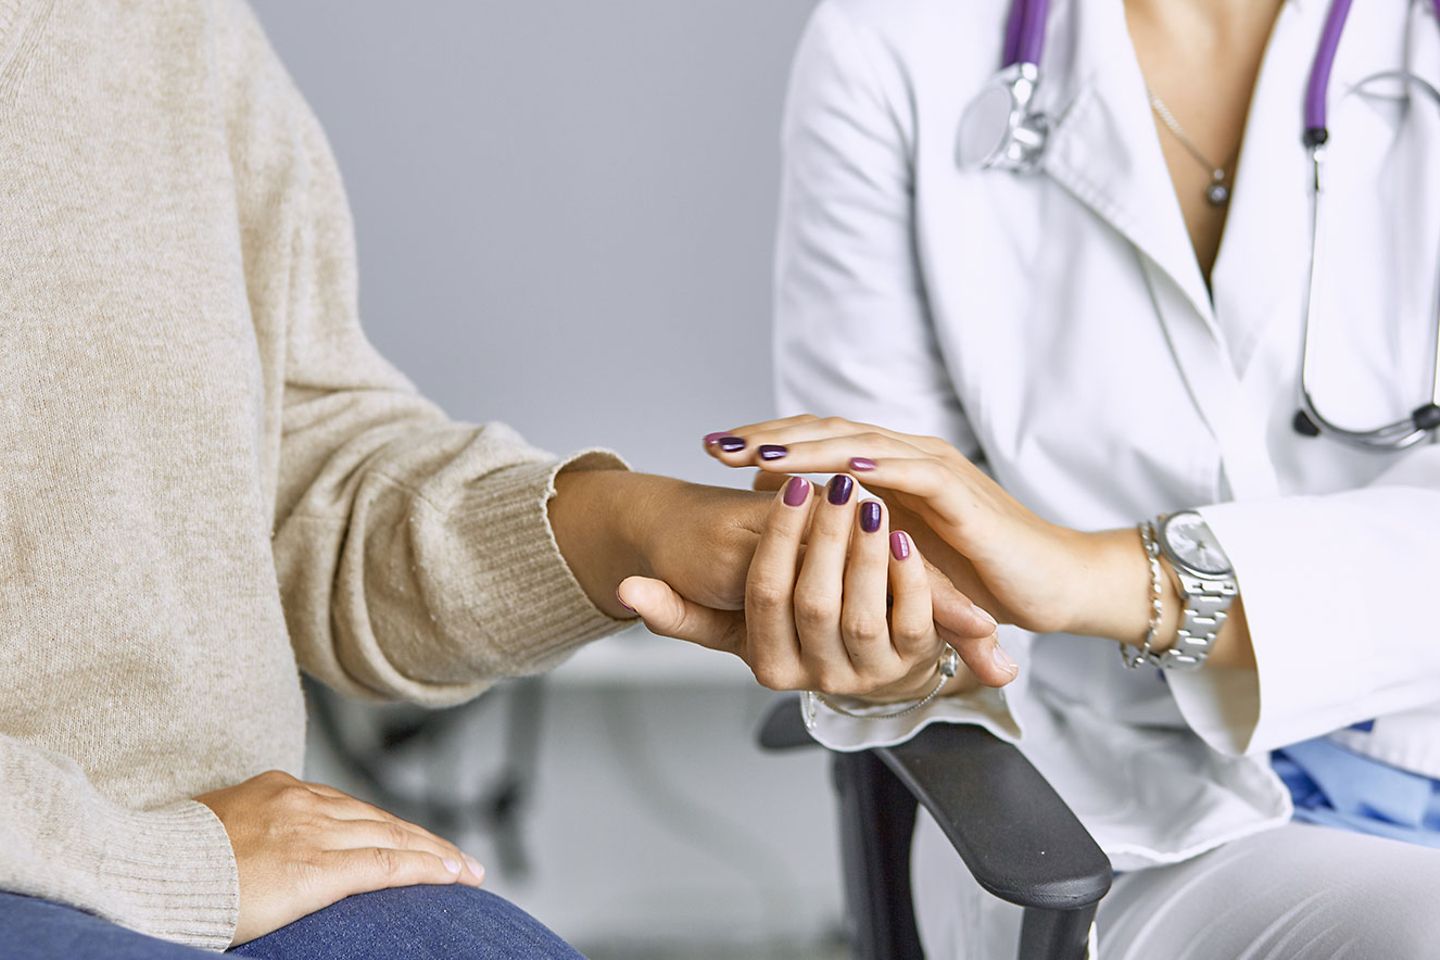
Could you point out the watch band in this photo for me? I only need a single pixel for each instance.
(1206, 606)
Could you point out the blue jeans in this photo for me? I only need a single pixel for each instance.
(424, 923)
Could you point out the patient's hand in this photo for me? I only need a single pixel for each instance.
(815, 611)
(300, 847)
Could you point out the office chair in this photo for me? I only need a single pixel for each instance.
(1017, 837)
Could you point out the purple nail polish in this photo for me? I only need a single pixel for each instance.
(730, 444)
(713, 438)
(622, 602)
(841, 487)
(870, 516)
(900, 545)
(862, 464)
(796, 490)
(771, 451)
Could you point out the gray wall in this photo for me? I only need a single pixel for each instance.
(564, 209)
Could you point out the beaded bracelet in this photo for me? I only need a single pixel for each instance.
(1147, 654)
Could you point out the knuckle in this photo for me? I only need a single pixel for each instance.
(397, 836)
(775, 676)
(765, 597)
(385, 863)
(864, 628)
(834, 423)
(814, 607)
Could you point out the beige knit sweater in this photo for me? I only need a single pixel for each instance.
(207, 476)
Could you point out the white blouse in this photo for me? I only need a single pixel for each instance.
(1058, 327)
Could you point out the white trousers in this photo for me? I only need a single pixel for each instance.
(1297, 893)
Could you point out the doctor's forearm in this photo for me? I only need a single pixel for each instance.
(1113, 593)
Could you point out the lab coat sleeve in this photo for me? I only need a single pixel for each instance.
(413, 552)
(1340, 596)
(853, 335)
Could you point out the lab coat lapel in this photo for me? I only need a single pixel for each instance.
(1105, 150)
(1103, 147)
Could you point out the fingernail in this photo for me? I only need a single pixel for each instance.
(1002, 660)
(771, 451)
(870, 514)
(713, 438)
(900, 544)
(984, 614)
(841, 487)
(796, 490)
(475, 867)
(453, 866)
(862, 464)
(730, 444)
(622, 602)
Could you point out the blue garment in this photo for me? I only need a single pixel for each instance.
(1337, 787)
(423, 923)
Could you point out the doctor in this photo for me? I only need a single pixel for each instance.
(1091, 279)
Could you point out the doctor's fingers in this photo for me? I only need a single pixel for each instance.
(914, 633)
(770, 441)
(772, 648)
(962, 625)
(820, 590)
(864, 616)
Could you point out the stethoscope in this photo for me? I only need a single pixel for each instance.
(1003, 130)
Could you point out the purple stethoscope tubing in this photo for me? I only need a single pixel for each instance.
(1025, 41)
(1025, 31)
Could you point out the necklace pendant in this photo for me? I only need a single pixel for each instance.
(1217, 194)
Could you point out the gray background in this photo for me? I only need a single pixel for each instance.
(565, 214)
(565, 209)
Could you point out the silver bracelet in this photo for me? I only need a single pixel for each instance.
(948, 665)
(1147, 653)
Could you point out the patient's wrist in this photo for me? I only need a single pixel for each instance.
(597, 516)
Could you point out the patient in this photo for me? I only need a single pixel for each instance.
(211, 481)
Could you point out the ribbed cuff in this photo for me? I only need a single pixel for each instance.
(534, 612)
(175, 871)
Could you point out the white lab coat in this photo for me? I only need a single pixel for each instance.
(1058, 327)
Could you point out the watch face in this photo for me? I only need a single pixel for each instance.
(1189, 538)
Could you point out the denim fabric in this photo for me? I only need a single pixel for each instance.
(423, 923)
(414, 923)
(33, 929)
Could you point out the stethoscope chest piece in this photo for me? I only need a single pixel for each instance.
(1000, 129)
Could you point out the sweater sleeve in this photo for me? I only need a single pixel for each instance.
(166, 872)
(414, 553)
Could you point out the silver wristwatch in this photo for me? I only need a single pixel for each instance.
(1207, 582)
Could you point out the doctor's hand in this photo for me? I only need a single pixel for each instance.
(835, 602)
(1024, 569)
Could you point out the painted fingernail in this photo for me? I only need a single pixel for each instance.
(841, 487)
(713, 438)
(863, 464)
(771, 451)
(452, 866)
(730, 444)
(796, 490)
(900, 544)
(984, 614)
(622, 602)
(1002, 660)
(870, 514)
(475, 867)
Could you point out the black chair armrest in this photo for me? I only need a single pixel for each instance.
(1017, 837)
